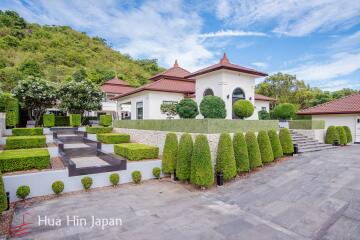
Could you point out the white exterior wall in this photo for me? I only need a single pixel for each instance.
(341, 120)
(156, 99)
(223, 83)
(134, 98)
(260, 104)
(2, 124)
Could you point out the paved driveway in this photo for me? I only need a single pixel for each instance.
(314, 196)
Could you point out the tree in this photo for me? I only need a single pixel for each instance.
(213, 107)
(184, 155)
(243, 108)
(241, 152)
(187, 108)
(80, 96)
(285, 111)
(225, 159)
(169, 153)
(275, 144)
(253, 150)
(30, 67)
(265, 147)
(35, 95)
(169, 109)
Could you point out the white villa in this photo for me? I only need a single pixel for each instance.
(224, 79)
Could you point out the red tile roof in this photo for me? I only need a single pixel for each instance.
(164, 85)
(225, 64)
(174, 72)
(117, 86)
(345, 105)
(264, 98)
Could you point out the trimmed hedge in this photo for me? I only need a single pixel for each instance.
(187, 108)
(286, 141)
(136, 176)
(62, 121)
(243, 108)
(348, 134)
(253, 150)
(306, 124)
(75, 120)
(156, 172)
(114, 179)
(10, 106)
(113, 138)
(275, 144)
(105, 120)
(27, 131)
(49, 120)
(23, 191)
(331, 135)
(136, 151)
(225, 159)
(169, 153)
(183, 162)
(342, 135)
(202, 173)
(87, 182)
(263, 115)
(58, 187)
(3, 198)
(241, 152)
(96, 130)
(24, 159)
(17, 142)
(213, 107)
(265, 147)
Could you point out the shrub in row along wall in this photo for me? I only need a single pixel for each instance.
(114, 179)
(49, 120)
(87, 182)
(95, 130)
(187, 108)
(23, 192)
(17, 142)
(342, 135)
(169, 153)
(27, 131)
(183, 162)
(332, 135)
(202, 173)
(75, 120)
(243, 108)
(136, 176)
(253, 150)
(266, 152)
(241, 152)
(105, 120)
(113, 138)
(156, 172)
(3, 198)
(275, 144)
(348, 134)
(286, 141)
(10, 106)
(225, 160)
(213, 107)
(58, 187)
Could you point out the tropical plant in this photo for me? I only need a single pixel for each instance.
(265, 147)
(241, 152)
(225, 160)
(183, 162)
(286, 141)
(169, 153)
(243, 108)
(213, 107)
(253, 150)
(275, 143)
(187, 108)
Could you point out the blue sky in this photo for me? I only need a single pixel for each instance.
(319, 41)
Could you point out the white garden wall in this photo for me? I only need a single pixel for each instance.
(317, 134)
(2, 124)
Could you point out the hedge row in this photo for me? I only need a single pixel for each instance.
(27, 131)
(136, 151)
(75, 120)
(17, 142)
(225, 160)
(3, 198)
(342, 134)
(113, 138)
(95, 130)
(183, 157)
(169, 153)
(10, 106)
(105, 120)
(286, 141)
(24, 159)
(49, 120)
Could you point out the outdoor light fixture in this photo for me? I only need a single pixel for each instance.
(228, 96)
(296, 148)
(219, 178)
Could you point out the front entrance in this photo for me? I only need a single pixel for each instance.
(357, 130)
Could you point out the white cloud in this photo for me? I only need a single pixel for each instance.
(260, 64)
(348, 42)
(230, 33)
(223, 9)
(340, 65)
(295, 18)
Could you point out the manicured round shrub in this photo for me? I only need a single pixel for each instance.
(275, 144)
(202, 173)
(105, 120)
(23, 191)
(169, 153)
(183, 162)
(57, 187)
(187, 108)
(225, 159)
(213, 107)
(348, 134)
(342, 135)
(265, 147)
(156, 172)
(331, 135)
(263, 115)
(286, 141)
(136, 176)
(243, 108)
(241, 152)
(114, 179)
(285, 111)
(87, 182)
(49, 120)
(253, 150)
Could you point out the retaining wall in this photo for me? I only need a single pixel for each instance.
(2, 124)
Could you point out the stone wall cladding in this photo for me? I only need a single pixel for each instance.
(2, 124)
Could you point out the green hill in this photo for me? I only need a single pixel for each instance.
(56, 52)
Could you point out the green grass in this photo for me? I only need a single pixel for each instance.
(136, 151)
(113, 138)
(24, 159)
(17, 142)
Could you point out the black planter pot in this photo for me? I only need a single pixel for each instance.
(8, 200)
(336, 143)
(219, 179)
(296, 148)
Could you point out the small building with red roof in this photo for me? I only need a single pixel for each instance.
(224, 79)
(340, 112)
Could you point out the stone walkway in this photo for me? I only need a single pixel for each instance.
(314, 196)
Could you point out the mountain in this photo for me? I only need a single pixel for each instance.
(55, 53)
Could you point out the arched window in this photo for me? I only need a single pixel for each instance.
(238, 93)
(208, 92)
